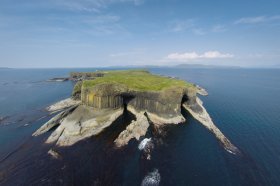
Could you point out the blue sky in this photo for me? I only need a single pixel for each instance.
(89, 33)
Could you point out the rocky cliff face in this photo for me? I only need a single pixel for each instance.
(104, 96)
(161, 106)
(79, 76)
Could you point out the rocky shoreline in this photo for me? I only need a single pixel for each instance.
(203, 117)
(78, 123)
(201, 91)
(62, 105)
(92, 109)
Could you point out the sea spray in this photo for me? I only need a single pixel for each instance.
(143, 143)
(151, 179)
(146, 145)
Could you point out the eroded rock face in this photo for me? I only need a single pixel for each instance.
(135, 129)
(63, 104)
(104, 96)
(78, 124)
(162, 107)
(55, 121)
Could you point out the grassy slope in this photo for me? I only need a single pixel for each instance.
(137, 80)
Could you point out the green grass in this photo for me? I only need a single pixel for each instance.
(137, 80)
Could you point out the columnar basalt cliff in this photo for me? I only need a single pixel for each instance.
(163, 107)
(104, 96)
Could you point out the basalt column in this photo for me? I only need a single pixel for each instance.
(104, 96)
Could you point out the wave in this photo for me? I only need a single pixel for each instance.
(152, 179)
(144, 143)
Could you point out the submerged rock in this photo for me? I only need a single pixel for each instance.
(62, 79)
(3, 118)
(54, 154)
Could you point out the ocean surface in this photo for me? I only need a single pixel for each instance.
(243, 103)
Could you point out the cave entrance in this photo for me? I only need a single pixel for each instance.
(184, 99)
(184, 112)
(126, 99)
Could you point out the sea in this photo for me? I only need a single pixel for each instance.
(243, 103)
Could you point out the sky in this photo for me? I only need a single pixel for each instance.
(99, 33)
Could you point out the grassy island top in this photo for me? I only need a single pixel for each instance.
(140, 80)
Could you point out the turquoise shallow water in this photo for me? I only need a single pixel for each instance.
(243, 103)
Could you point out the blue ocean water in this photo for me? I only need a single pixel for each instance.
(243, 103)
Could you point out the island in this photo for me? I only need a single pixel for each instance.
(99, 98)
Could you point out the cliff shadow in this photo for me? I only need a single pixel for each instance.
(110, 133)
(126, 99)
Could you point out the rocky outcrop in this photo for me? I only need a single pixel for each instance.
(80, 76)
(62, 79)
(201, 91)
(200, 114)
(135, 129)
(55, 121)
(54, 154)
(81, 123)
(64, 104)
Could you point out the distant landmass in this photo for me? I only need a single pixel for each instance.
(201, 66)
(4, 68)
(204, 66)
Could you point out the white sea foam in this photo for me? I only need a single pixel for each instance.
(143, 143)
(151, 179)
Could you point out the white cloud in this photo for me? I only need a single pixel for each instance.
(186, 25)
(92, 5)
(180, 26)
(194, 56)
(101, 19)
(131, 53)
(218, 28)
(198, 31)
(258, 19)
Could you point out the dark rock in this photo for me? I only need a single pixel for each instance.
(80, 76)
(3, 118)
(76, 93)
(58, 79)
